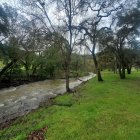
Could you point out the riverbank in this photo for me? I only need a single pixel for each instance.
(106, 111)
(7, 82)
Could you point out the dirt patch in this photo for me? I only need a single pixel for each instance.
(7, 123)
(38, 135)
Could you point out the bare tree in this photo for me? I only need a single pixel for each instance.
(39, 12)
(69, 10)
(91, 26)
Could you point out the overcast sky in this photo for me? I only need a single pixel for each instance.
(53, 17)
(7, 1)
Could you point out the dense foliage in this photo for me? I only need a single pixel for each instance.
(32, 47)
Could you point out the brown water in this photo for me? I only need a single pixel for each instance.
(17, 101)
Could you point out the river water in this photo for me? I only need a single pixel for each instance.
(17, 101)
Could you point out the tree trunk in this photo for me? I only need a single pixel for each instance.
(115, 68)
(10, 75)
(122, 72)
(7, 67)
(115, 65)
(27, 72)
(129, 69)
(67, 72)
(97, 67)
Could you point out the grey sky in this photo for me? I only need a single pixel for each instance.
(8, 1)
(54, 15)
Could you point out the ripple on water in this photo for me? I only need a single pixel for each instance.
(20, 99)
(1, 105)
(33, 99)
(8, 90)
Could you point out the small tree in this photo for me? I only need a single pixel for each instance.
(117, 39)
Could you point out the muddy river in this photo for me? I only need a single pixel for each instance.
(17, 101)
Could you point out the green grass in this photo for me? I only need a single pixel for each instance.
(100, 111)
(1, 64)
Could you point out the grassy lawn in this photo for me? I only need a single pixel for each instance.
(100, 111)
